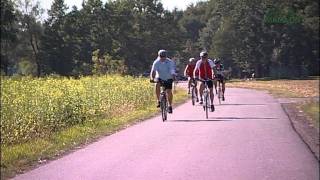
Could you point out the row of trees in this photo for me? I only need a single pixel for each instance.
(268, 37)
(272, 38)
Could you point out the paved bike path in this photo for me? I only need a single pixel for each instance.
(248, 137)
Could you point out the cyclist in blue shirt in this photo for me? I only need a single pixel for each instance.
(163, 69)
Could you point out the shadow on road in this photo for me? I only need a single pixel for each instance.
(243, 118)
(242, 104)
(213, 119)
(198, 105)
(196, 120)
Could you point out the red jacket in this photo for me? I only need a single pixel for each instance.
(205, 69)
(189, 70)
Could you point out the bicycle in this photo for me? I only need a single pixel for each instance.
(206, 97)
(163, 100)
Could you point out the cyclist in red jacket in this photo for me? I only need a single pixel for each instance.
(188, 72)
(205, 68)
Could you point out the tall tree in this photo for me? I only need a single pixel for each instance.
(8, 32)
(31, 28)
(54, 50)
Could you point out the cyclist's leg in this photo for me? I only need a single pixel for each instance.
(157, 91)
(223, 82)
(201, 91)
(196, 89)
(189, 84)
(170, 96)
(215, 85)
(210, 86)
(168, 86)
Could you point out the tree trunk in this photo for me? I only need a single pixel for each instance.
(35, 56)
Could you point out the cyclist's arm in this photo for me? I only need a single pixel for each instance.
(186, 71)
(173, 70)
(212, 65)
(196, 69)
(153, 71)
(213, 74)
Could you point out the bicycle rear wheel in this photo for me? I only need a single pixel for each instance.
(219, 92)
(193, 95)
(219, 95)
(206, 102)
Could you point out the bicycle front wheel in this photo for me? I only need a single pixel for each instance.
(207, 106)
(219, 92)
(193, 96)
(219, 95)
(164, 108)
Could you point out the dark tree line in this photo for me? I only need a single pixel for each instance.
(268, 37)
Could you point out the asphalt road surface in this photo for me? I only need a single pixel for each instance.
(248, 137)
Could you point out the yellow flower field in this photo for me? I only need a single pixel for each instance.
(33, 107)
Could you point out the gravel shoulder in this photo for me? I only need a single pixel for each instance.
(303, 126)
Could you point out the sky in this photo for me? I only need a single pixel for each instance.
(167, 4)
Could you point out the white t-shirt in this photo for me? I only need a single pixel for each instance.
(164, 69)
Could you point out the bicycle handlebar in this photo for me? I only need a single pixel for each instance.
(152, 81)
(203, 80)
(159, 80)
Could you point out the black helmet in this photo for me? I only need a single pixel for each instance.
(162, 53)
(216, 61)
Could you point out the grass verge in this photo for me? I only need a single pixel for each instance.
(312, 110)
(282, 88)
(22, 157)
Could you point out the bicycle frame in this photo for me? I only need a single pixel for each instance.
(193, 91)
(163, 102)
(163, 99)
(219, 90)
(206, 97)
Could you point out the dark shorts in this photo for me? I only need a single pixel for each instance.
(210, 84)
(167, 84)
(220, 78)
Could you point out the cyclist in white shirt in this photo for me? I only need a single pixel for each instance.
(163, 69)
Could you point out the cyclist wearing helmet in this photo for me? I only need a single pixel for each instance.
(163, 69)
(205, 68)
(188, 72)
(219, 68)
